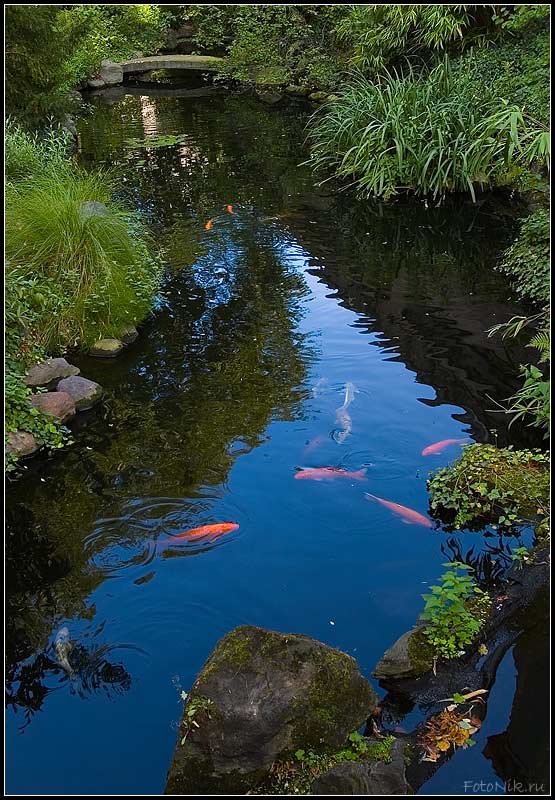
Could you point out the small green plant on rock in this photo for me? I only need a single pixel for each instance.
(194, 708)
(455, 611)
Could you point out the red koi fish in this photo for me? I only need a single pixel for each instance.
(209, 224)
(216, 530)
(328, 474)
(439, 447)
(408, 516)
(229, 209)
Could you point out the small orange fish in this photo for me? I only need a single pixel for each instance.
(328, 474)
(439, 447)
(218, 529)
(408, 516)
(229, 209)
(209, 224)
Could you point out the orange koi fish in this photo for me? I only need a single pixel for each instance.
(209, 224)
(328, 474)
(229, 209)
(408, 516)
(216, 530)
(439, 447)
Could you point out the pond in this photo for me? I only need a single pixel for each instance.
(301, 328)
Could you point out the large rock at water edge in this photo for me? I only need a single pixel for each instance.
(58, 404)
(368, 776)
(85, 393)
(95, 83)
(106, 348)
(49, 373)
(260, 696)
(21, 443)
(408, 657)
(111, 73)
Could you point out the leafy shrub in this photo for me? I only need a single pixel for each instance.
(271, 44)
(428, 134)
(114, 32)
(87, 276)
(527, 261)
(455, 611)
(379, 35)
(51, 48)
(490, 485)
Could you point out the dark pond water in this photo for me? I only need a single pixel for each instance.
(263, 324)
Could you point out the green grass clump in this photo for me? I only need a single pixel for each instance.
(426, 133)
(89, 276)
(489, 485)
(71, 277)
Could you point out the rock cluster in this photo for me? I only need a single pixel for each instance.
(67, 393)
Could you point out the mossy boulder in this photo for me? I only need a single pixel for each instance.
(318, 97)
(261, 696)
(106, 348)
(368, 776)
(409, 657)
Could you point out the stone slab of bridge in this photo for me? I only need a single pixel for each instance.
(201, 63)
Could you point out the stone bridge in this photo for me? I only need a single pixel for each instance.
(111, 73)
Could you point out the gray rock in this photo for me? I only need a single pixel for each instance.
(318, 97)
(106, 348)
(398, 662)
(366, 776)
(21, 443)
(129, 335)
(85, 393)
(92, 208)
(49, 373)
(111, 73)
(58, 404)
(269, 97)
(95, 83)
(300, 91)
(260, 696)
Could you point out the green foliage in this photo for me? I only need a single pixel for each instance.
(527, 261)
(19, 415)
(35, 52)
(379, 35)
(520, 556)
(489, 485)
(26, 154)
(429, 134)
(114, 32)
(454, 611)
(87, 276)
(298, 777)
(51, 48)
(271, 45)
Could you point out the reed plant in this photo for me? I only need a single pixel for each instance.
(428, 133)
